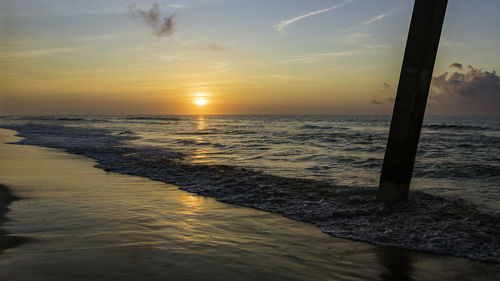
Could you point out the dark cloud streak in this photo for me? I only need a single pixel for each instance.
(152, 17)
(387, 100)
(456, 65)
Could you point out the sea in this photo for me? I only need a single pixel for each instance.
(319, 169)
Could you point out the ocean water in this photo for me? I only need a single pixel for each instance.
(320, 169)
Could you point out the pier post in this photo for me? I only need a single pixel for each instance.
(411, 98)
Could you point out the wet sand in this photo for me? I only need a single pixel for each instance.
(86, 224)
(7, 241)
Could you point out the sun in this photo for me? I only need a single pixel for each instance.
(200, 101)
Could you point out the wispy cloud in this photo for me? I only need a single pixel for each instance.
(360, 39)
(178, 6)
(167, 58)
(375, 19)
(309, 58)
(359, 35)
(34, 53)
(355, 37)
(283, 24)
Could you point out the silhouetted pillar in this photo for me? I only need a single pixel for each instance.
(414, 82)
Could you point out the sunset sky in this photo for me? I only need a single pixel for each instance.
(236, 57)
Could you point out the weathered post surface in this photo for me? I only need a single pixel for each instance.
(414, 82)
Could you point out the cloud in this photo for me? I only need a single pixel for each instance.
(356, 37)
(179, 6)
(152, 17)
(309, 58)
(456, 65)
(387, 100)
(6, 53)
(475, 86)
(384, 95)
(283, 24)
(471, 91)
(375, 19)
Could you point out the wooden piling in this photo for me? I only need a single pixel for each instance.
(411, 98)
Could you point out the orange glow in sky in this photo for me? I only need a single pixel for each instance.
(305, 59)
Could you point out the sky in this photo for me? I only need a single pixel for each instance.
(237, 57)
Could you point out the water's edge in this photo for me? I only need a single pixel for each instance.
(7, 241)
(426, 222)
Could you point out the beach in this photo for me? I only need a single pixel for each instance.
(88, 224)
(7, 241)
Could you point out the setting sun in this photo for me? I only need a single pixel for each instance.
(200, 101)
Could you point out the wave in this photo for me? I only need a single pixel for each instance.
(54, 118)
(161, 118)
(426, 222)
(458, 170)
(315, 127)
(456, 127)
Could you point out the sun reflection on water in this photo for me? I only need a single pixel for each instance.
(193, 203)
(193, 209)
(202, 124)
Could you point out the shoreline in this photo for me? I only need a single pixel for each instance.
(312, 203)
(7, 241)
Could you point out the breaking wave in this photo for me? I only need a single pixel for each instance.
(426, 222)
